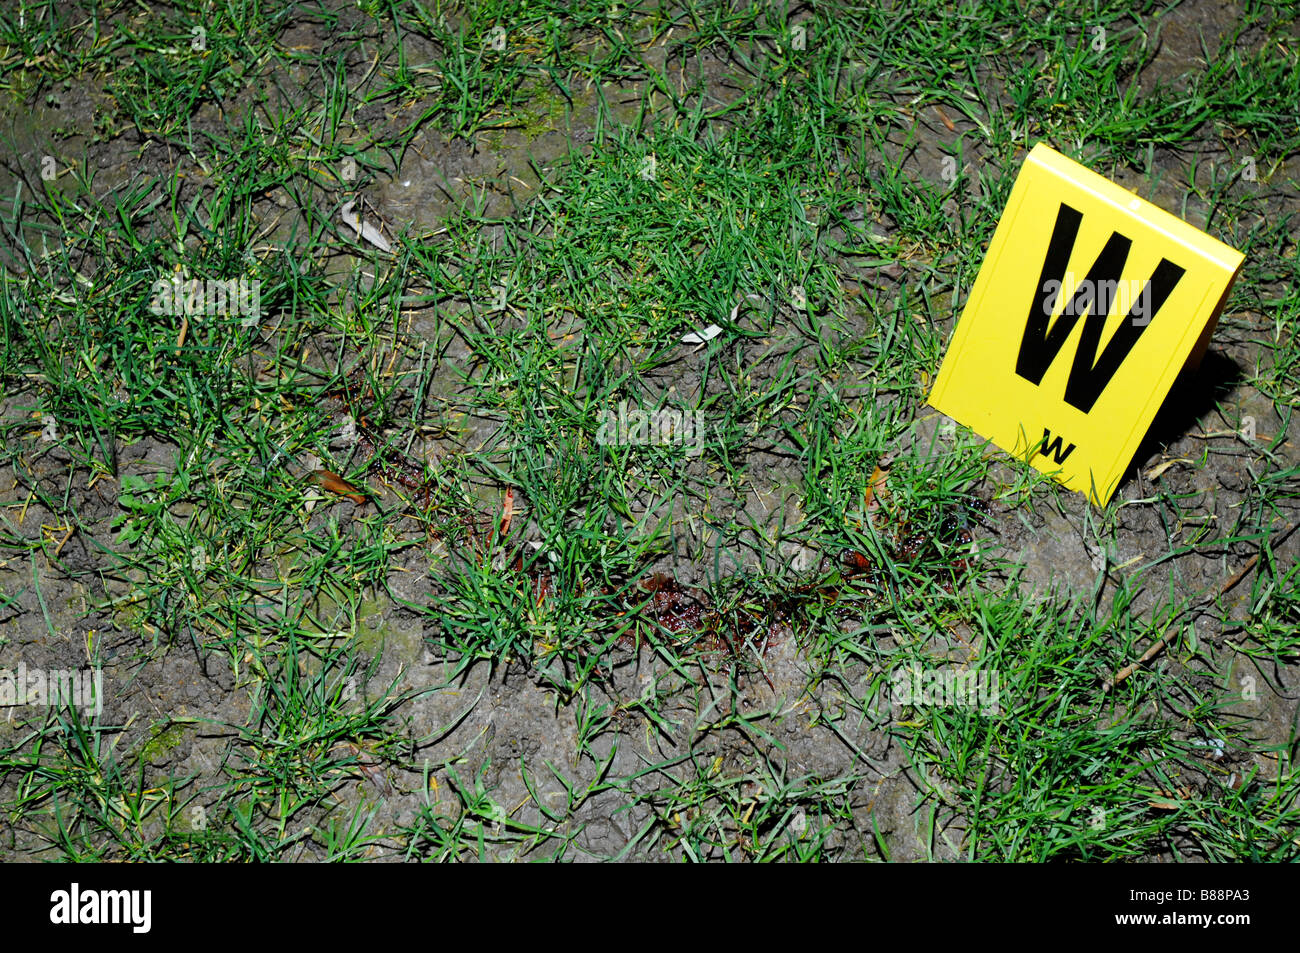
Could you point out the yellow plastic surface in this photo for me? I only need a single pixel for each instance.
(1073, 394)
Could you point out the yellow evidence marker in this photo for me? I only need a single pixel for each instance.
(1089, 304)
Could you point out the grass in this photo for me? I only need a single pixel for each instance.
(751, 167)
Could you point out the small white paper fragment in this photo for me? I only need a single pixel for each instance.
(364, 230)
(699, 337)
(712, 331)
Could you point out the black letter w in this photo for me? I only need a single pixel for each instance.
(1039, 347)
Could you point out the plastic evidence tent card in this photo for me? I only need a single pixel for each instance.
(1088, 305)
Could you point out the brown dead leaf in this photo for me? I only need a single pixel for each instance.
(333, 483)
(507, 511)
(877, 488)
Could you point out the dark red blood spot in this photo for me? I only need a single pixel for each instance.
(855, 561)
(912, 545)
